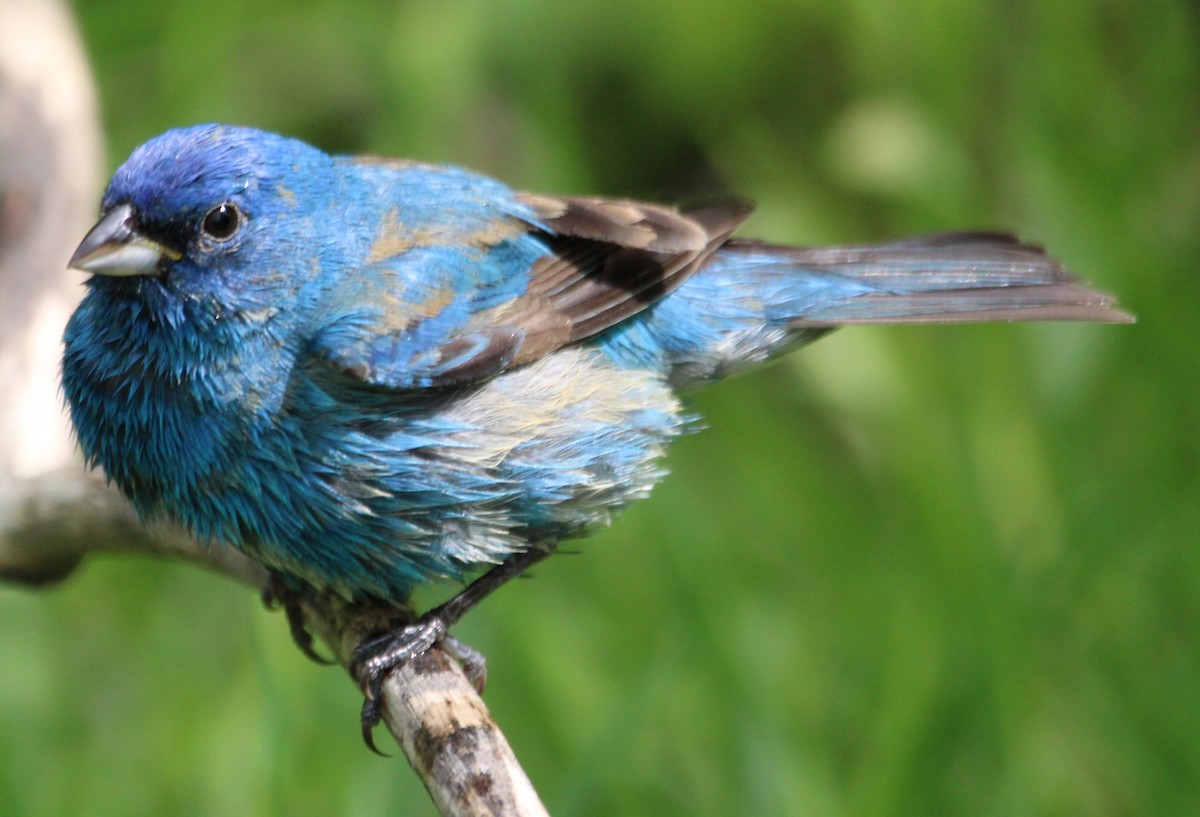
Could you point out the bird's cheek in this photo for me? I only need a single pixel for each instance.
(184, 276)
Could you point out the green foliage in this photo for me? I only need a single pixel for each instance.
(943, 570)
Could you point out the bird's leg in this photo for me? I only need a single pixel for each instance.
(376, 657)
(277, 593)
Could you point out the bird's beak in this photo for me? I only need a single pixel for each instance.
(115, 247)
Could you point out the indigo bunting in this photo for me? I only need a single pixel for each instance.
(369, 373)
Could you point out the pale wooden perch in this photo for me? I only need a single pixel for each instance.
(49, 525)
(53, 515)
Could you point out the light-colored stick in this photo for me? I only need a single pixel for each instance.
(49, 525)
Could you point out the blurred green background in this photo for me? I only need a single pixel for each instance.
(946, 571)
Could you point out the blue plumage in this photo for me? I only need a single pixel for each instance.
(367, 373)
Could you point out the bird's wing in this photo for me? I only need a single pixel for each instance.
(473, 302)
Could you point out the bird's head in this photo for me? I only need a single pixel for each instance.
(206, 212)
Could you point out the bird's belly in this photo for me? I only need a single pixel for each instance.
(399, 488)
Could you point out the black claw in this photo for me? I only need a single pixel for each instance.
(277, 594)
(370, 718)
(301, 635)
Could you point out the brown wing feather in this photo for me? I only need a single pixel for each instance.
(611, 259)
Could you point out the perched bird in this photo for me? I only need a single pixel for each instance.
(369, 373)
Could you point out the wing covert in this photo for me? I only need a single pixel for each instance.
(463, 306)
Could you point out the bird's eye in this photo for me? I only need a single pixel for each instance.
(221, 222)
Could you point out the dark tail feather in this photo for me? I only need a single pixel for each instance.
(949, 278)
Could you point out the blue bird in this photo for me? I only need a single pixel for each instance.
(370, 373)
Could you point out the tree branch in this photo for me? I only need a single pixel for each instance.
(49, 525)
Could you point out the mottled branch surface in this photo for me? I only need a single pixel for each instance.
(53, 516)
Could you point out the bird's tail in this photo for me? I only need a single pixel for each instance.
(753, 300)
(942, 278)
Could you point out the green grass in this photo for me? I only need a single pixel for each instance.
(946, 571)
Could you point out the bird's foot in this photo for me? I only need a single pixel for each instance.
(278, 594)
(377, 657)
